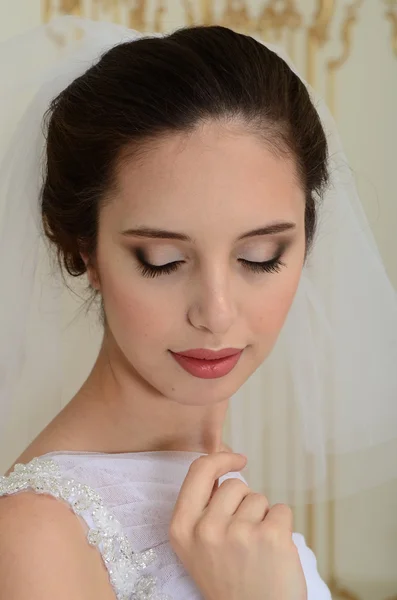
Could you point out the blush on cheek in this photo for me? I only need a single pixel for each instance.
(124, 307)
(273, 308)
(137, 318)
(269, 321)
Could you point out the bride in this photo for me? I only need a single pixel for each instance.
(184, 175)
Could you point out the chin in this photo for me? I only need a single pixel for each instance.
(203, 392)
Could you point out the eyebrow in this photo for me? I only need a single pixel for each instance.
(149, 232)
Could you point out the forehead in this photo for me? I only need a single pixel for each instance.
(215, 172)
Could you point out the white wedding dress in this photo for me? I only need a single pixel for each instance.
(125, 503)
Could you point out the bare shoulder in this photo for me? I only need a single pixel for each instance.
(44, 552)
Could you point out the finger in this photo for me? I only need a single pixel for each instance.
(253, 508)
(214, 489)
(228, 498)
(281, 517)
(199, 482)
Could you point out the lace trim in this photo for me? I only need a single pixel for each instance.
(123, 565)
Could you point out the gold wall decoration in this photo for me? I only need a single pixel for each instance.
(278, 21)
(391, 15)
(317, 35)
(237, 16)
(68, 7)
(346, 33)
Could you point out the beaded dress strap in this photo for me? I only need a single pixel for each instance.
(124, 566)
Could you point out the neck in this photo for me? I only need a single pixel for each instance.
(116, 411)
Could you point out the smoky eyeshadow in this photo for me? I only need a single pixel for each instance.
(140, 255)
(280, 248)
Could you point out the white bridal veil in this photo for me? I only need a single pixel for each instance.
(325, 402)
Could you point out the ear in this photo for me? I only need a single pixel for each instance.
(92, 272)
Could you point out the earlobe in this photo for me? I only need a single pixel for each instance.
(93, 278)
(94, 283)
(84, 257)
(91, 272)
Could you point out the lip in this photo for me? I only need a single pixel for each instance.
(208, 368)
(204, 354)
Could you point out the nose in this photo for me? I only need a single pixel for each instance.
(212, 307)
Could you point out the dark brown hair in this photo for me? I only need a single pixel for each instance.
(150, 87)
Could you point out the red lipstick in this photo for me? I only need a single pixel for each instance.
(208, 364)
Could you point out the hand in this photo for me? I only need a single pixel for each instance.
(231, 543)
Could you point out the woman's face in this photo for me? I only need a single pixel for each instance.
(184, 260)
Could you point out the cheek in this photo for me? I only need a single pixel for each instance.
(135, 309)
(273, 303)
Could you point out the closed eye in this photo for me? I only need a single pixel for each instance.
(269, 266)
(149, 270)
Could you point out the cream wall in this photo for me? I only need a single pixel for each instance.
(17, 16)
(364, 100)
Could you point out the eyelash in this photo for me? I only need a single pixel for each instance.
(270, 266)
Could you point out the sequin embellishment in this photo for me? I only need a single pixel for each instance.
(124, 566)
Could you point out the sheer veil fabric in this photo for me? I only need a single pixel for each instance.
(326, 398)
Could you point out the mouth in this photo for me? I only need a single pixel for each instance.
(208, 364)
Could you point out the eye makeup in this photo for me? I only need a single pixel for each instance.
(273, 265)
